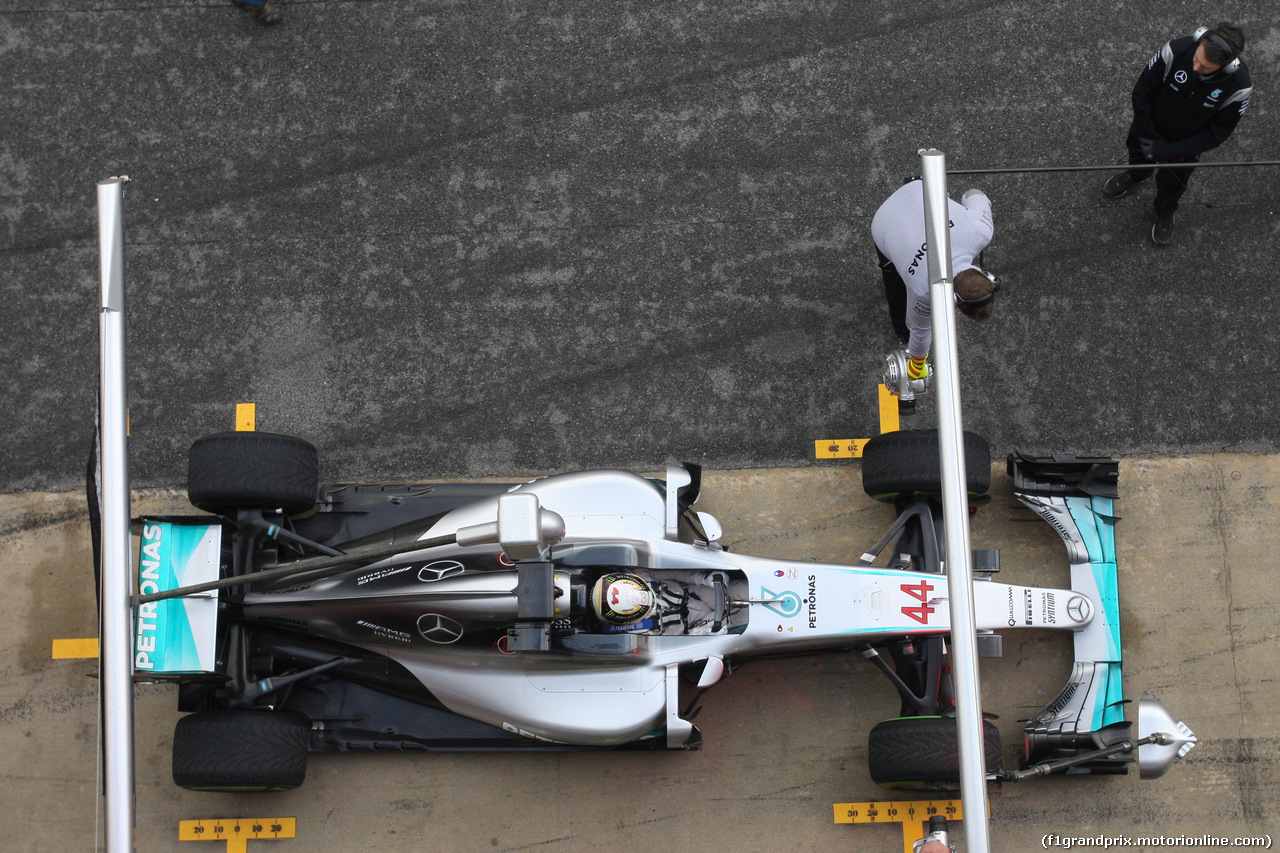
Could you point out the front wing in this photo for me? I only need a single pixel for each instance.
(1076, 497)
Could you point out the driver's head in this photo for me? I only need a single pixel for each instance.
(975, 295)
(621, 598)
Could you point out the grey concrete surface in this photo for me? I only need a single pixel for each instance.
(458, 238)
(784, 740)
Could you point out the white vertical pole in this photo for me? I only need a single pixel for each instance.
(955, 504)
(116, 622)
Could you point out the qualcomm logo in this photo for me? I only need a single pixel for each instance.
(786, 604)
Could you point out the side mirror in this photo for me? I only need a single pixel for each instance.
(711, 526)
(1172, 739)
(712, 672)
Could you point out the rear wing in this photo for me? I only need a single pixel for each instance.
(176, 636)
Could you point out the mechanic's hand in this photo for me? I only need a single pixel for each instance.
(917, 368)
(1148, 147)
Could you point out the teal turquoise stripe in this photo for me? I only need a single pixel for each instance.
(175, 644)
(1104, 513)
(1082, 513)
(184, 542)
(1095, 519)
(1105, 576)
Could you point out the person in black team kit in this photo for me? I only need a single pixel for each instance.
(1186, 102)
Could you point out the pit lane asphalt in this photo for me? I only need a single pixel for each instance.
(475, 239)
(461, 239)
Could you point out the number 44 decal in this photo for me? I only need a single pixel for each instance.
(920, 592)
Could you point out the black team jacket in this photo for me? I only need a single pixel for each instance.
(1184, 114)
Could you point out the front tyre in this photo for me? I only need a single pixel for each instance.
(921, 753)
(240, 751)
(905, 463)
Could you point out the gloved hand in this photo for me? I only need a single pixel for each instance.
(917, 368)
(1156, 150)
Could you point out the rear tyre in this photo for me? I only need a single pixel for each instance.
(240, 751)
(905, 463)
(921, 753)
(253, 469)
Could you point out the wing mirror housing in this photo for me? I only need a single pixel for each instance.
(712, 672)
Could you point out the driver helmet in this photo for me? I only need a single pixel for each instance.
(621, 598)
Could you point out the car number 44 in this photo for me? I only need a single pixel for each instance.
(919, 591)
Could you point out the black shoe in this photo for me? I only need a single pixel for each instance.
(1162, 231)
(1118, 185)
(264, 12)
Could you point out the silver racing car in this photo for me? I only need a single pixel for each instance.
(564, 613)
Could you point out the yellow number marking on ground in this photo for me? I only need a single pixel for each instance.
(912, 815)
(237, 831)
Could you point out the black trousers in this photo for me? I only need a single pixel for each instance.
(1170, 183)
(895, 293)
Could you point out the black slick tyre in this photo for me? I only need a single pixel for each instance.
(253, 469)
(905, 463)
(921, 753)
(240, 751)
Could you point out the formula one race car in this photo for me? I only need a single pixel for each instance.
(564, 613)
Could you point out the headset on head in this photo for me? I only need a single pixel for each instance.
(1206, 34)
(986, 298)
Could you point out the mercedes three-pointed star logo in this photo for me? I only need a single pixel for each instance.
(439, 570)
(1080, 609)
(439, 629)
